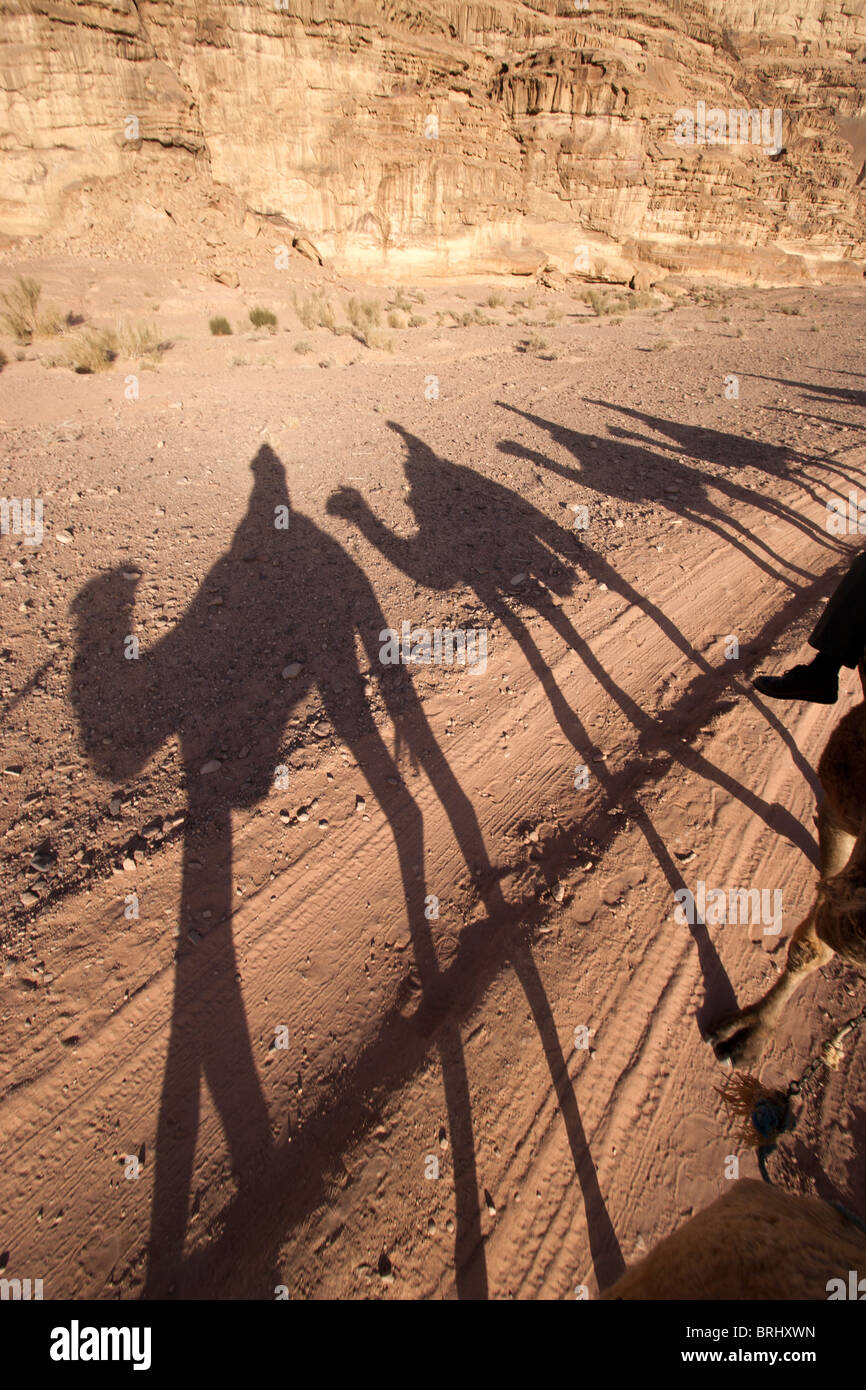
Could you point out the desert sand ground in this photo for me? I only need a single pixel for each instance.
(324, 1086)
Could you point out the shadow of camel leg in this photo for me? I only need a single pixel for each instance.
(208, 1037)
(407, 827)
(604, 1246)
(607, 1259)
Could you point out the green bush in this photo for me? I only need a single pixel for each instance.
(263, 318)
(220, 327)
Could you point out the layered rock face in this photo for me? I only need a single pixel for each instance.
(452, 138)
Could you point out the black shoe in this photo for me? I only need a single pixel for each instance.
(800, 683)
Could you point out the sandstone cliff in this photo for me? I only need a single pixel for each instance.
(453, 137)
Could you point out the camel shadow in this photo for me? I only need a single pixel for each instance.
(468, 550)
(285, 598)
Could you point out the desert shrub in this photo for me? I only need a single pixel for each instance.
(93, 350)
(396, 320)
(708, 296)
(400, 302)
(220, 326)
(20, 308)
(495, 300)
(607, 302)
(137, 340)
(21, 315)
(316, 311)
(790, 309)
(364, 313)
(303, 347)
(263, 318)
(602, 302)
(375, 338)
(534, 343)
(416, 321)
(418, 297)
(3, 360)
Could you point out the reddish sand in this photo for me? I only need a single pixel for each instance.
(325, 1085)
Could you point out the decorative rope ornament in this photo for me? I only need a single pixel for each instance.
(766, 1115)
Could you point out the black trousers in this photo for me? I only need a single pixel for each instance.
(841, 629)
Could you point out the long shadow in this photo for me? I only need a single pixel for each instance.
(845, 395)
(468, 551)
(649, 474)
(731, 451)
(285, 591)
(813, 415)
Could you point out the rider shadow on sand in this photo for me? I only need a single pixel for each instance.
(280, 594)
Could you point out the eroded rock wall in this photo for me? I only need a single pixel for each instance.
(450, 138)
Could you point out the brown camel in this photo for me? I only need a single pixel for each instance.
(755, 1242)
(836, 921)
